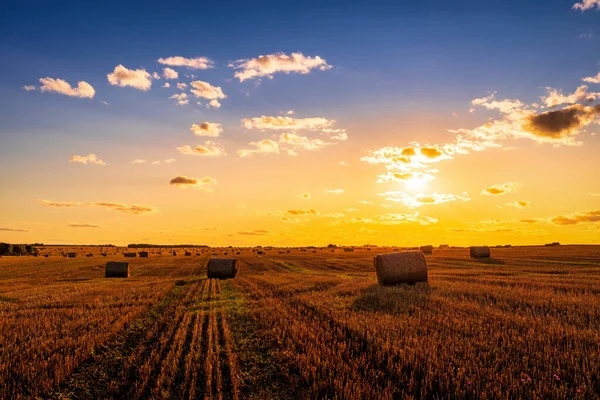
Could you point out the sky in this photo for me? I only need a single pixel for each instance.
(308, 123)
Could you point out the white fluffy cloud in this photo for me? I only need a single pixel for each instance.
(29, 88)
(211, 129)
(288, 123)
(169, 73)
(334, 191)
(214, 104)
(83, 89)
(135, 78)
(267, 65)
(89, 159)
(182, 98)
(207, 91)
(210, 149)
(556, 97)
(192, 63)
(302, 141)
(592, 79)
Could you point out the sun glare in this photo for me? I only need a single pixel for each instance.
(416, 184)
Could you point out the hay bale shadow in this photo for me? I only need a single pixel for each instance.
(400, 299)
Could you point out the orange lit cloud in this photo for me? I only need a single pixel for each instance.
(135, 78)
(556, 97)
(419, 200)
(267, 65)
(265, 146)
(191, 63)
(498, 190)
(126, 208)
(256, 232)
(185, 182)
(288, 123)
(207, 91)
(210, 149)
(392, 219)
(169, 73)
(519, 204)
(334, 191)
(182, 98)
(585, 5)
(576, 218)
(83, 89)
(89, 159)
(13, 230)
(207, 129)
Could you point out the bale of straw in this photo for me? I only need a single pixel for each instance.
(404, 267)
(130, 254)
(116, 269)
(426, 249)
(260, 252)
(143, 254)
(348, 248)
(72, 255)
(222, 268)
(479, 252)
(174, 253)
(187, 253)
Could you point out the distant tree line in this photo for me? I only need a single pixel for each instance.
(164, 246)
(8, 249)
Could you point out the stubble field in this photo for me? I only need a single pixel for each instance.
(303, 324)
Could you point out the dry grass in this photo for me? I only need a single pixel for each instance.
(524, 324)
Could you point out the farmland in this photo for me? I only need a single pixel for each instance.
(303, 324)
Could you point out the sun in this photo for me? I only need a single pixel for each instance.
(416, 184)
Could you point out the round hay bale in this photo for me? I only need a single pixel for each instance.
(130, 254)
(426, 249)
(222, 268)
(396, 268)
(479, 252)
(117, 269)
(143, 254)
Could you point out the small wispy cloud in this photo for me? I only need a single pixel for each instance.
(89, 159)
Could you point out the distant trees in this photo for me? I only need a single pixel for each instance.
(8, 249)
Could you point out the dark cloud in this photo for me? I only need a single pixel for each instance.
(13, 230)
(573, 219)
(83, 226)
(563, 122)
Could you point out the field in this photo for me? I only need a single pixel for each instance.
(300, 325)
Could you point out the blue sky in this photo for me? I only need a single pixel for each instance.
(400, 72)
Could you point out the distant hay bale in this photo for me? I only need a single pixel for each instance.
(116, 269)
(130, 254)
(143, 254)
(444, 247)
(72, 255)
(479, 252)
(222, 268)
(260, 252)
(174, 253)
(552, 244)
(404, 267)
(89, 255)
(426, 249)
(46, 255)
(187, 254)
(348, 248)
(507, 246)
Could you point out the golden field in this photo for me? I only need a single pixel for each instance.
(299, 325)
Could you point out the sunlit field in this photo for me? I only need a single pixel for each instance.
(301, 323)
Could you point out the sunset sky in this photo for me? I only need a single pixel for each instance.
(466, 122)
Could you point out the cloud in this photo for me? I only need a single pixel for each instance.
(89, 159)
(211, 129)
(334, 191)
(13, 230)
(214, 104)
(191, 63)
(301, 212)
(126, 208)
(256, 232)
(167, 85)
(155, 75)
(421, 199)
(519, 204)
(556, 97)
(210, 149)
(344, 164)
(135, 78)
(181, 86)
(184, 182)
(498, 190)
(302, 141)
(393, 219)
(305, 196)
(182, 98)
(592, 79)
(169, 73)
(29, 88)
(561, 123)
(288, 123)
(265, 146)
(267, 65)
(138, 161)
(207, 91)
(585, 5)
(505, 106)
(529, 221)
(83, 89)
(83, 226)
(576, 218)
